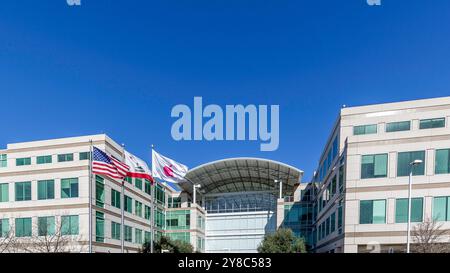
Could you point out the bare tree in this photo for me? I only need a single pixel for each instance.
(52, 237)
(49, 237)
(8, 242)
(428, 237)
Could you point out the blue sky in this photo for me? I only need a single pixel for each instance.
(118, 67)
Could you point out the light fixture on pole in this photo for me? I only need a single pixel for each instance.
(411, 167)
(195, 186)
(281, 187)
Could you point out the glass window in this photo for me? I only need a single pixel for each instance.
(333, 185)
(115, 198)
(23, 191)
(329, 158)
(201, 222)
(46, 226)
(432, 123)
(441, 208)
(129, 180)
(340, 219)
(398, 126)
(69, 187)
(442, 161)
(148, 213)
(374, 166)
(3, 161)
(23, 227)
(401, 210)
(182, 236)
(44, 159)
(174, 202)
(333, 222)
(138, 236)
(99, 227)
(335, 147)
(4, 192)
(147, 236)
(138, 208)
(23, 161)
(148, 187)
(84, 156)
(128, 234)
(160, 194)
(159, 218)
(341, 179)
(372, 212)
(69, 225)
(128, 204)
(379, 212)
(4, 227)
(65, 157)
(99, 191)
(178, 219)
(115, 231)
(138, 183)
(46, 189)
(365, 129)
(405, 158)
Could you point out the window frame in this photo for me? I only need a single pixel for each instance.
(49, 226)
(2, 186)
(372, 221)
(65, 157)
(84, 156)
(374, 160)
(23, 232)
(23, 190)
(23, 161)
(44, 159)
(116, 231)
(71, 181)
(365, 131)
(46, 183)
(99, 226)
(116, 199)
(417, 170)
(433, 122)
(3, 160)
(396, 125)
(436, 165)
(397, 221)
(73, 227)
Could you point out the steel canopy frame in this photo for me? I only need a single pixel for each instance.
(243, 175)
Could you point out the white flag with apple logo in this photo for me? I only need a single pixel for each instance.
(167, 169)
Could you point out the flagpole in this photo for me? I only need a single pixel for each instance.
(122, 205)
(90, 195)
(152, 208)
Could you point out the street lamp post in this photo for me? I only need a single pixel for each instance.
(411, 167)
(194, 189)
(281, 187)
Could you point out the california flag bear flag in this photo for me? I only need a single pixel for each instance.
(138, 168)
(167, 169)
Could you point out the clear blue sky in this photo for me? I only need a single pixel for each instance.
(118, 67)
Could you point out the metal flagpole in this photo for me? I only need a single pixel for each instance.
(152, 209)
(153, 200)
(90, 195)
(122, 221)
(122, 205)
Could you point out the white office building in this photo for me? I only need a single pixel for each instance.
(362, 179)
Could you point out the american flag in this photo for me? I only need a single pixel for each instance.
(107, 165)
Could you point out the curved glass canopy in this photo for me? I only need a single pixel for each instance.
(243, 175)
